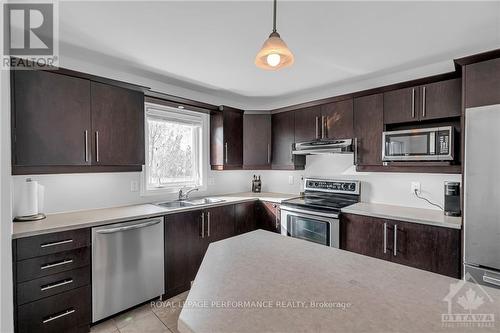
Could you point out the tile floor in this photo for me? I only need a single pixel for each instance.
(160, 317)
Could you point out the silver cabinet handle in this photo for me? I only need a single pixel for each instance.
(413, 103)
(323, 127)
(130, 227)
(202, 225)
(97, 146)
(355, 151)
(225, 147)
(395, 251)
(268, 153)
(492, 280)
(317, 127)
(65, 313)
(208, 224)
(55, 285)
(66, 241)
(423, 102)
(59, 263)
(385, 237)
(86, 146)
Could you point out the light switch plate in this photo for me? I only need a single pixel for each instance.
(290, 180)
(134, 186)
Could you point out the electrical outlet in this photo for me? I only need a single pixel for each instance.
(211, 181)
(134, 186)
(415, 186)
(290, 180)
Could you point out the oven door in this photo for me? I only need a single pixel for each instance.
(310, 226)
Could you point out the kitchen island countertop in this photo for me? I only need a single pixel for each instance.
(265, 282)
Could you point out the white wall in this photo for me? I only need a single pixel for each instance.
(386, 188)
(85, 191)
(6, 305)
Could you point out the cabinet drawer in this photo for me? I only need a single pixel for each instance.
(34, 268)
(53, 284)
(61, 313)
(36, 246)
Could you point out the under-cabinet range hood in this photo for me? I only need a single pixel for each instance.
(324, 146)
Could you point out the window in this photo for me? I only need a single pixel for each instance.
(175, 153)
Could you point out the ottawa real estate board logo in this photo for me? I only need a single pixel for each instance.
(30, 35)
(465, 304)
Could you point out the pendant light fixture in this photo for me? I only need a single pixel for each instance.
(274, 54)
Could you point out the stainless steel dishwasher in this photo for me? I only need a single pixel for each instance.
(127, 265)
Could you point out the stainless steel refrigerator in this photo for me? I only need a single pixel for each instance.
(482, 194)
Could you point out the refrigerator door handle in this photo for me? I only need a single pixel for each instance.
(491, 280)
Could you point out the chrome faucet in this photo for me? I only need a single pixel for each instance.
(184, 195)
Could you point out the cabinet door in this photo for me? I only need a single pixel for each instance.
(441, 99)
(117, 125)
(368, 128)
(400, 105)
(307, 124)
(365, 235)
(244, 214)
(184, 250)
(219, 223)
(482, 83)
(233, 138)
(257, 141)
(269, 216)
(338, 120)
(282, 140)
(51, 119)
(415, 245)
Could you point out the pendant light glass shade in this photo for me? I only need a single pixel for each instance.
(274, 54)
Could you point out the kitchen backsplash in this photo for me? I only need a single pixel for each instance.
(87, 191)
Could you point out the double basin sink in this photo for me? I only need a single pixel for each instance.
(189, 203)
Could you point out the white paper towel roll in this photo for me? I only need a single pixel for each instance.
(41, 198)
(29, 198)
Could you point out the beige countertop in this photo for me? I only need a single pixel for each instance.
(265, 282)
(90, 218)
(406, 214)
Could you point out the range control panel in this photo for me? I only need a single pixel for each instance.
(333, 186)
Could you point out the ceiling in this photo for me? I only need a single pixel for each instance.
(210, 46)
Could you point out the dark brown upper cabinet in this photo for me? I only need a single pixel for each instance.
(50, 119)
(307, 124)
(482, 83)
(441, 99)
(400, 106)
(337, 120)
(63, 121)
(368, 128)
(226, 139)
(437, 100)
(283, 138)
(117, 125)
(257, 141)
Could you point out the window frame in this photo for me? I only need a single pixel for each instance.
(152, 110)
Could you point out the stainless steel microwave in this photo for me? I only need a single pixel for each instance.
(423, 144)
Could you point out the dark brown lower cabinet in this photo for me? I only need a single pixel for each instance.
(185, 247)
(244, 214)
(268, 216)
(187, 236)
(431, 248)
(52, 282)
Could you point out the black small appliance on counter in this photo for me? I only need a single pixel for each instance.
(452, 199)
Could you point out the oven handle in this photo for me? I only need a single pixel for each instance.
(308, 213)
